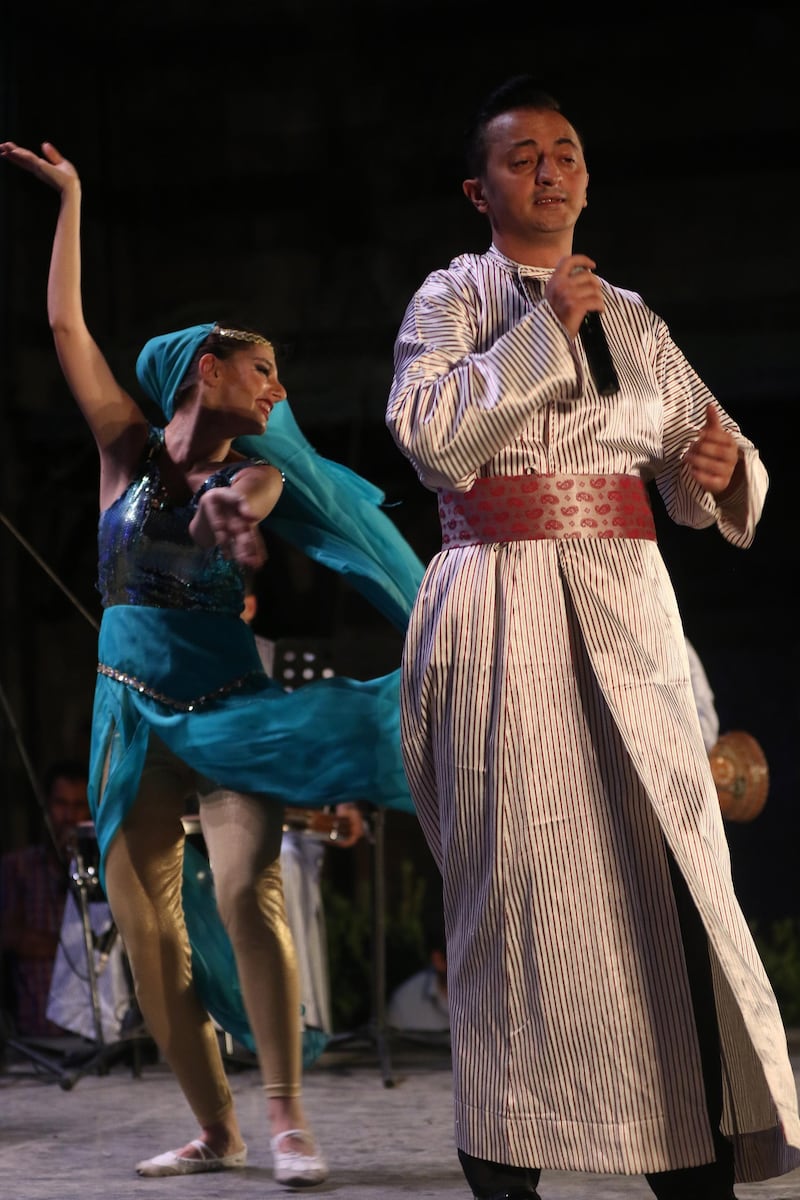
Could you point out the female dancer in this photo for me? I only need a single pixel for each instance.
(182, 703)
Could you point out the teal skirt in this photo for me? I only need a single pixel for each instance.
(196, 680)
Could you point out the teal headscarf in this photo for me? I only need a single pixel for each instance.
(333, 515)
(164, 361)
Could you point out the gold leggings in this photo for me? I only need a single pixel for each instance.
(144, 873)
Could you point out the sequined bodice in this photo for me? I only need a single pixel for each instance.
(146, 555)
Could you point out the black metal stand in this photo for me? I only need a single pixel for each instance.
(375, 1032)
(95, 1058)
(102, 1054)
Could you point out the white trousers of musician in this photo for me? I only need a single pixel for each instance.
(302, 857)
(69, 1001)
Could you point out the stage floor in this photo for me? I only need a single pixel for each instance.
(385, 1126)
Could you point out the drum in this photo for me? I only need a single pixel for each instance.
(316, 823)
(741, 774)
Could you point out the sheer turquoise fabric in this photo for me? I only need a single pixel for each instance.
(329, 741)
(337, 518)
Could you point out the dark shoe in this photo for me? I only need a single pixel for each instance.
(499, 1181)
(525, 1194)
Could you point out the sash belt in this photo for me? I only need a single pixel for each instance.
(514, 508)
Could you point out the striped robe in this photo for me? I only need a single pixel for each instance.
(553, 748)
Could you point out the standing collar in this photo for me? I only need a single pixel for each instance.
(521, 270)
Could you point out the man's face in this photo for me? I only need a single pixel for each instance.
(68, 805)
(535, 178)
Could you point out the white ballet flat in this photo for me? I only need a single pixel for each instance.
(293, 1169)
(174, 1164)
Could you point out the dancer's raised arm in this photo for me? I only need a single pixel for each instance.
(116, 421)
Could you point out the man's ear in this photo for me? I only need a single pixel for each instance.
(473, 190)
(586, 193)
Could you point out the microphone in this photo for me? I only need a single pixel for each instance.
(598, 354)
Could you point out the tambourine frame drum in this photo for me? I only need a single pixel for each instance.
(741, 775)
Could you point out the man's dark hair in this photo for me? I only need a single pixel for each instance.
(520, 91)
(65, 768)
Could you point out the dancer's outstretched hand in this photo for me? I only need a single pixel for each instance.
(51, 166)
(225, 519)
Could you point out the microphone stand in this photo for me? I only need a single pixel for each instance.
(22, 1045)
(96, 1057)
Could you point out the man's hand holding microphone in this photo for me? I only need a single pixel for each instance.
(576, 296)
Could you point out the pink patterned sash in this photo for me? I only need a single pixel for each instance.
(512, 508)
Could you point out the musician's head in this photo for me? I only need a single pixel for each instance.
(65, 786)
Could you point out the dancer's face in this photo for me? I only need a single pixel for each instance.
(247, 388)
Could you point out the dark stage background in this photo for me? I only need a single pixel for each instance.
(297, 166)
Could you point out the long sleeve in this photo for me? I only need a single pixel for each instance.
(466, 385)
(685, 400)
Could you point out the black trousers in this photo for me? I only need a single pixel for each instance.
(711, 1181)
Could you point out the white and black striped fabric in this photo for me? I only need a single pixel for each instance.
(552, 747)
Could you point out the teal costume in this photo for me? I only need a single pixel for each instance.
(176, 658)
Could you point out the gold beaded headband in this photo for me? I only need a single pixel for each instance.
(241, 335)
